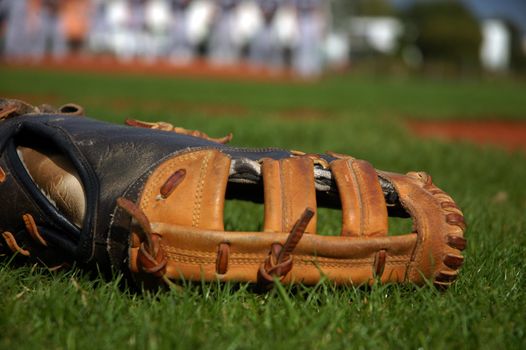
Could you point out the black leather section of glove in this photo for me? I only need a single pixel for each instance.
(110, 160)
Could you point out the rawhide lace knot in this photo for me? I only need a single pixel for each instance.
(150, 258)
(279, 261)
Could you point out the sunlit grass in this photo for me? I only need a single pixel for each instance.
(486, 308)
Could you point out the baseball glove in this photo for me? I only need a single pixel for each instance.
(147, 200)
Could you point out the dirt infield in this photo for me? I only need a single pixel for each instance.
(159, 67)
(510, 135)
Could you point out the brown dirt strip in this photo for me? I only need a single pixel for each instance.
(207, 109)
(160, 68)
(510, 135)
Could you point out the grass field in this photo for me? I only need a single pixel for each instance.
(361, 116)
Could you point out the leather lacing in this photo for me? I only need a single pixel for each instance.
(173, 181)
(453, 217)
(164, 126)
(150, 258)
(31, 228)
(279, 261)
(34, 233)
(13, 244)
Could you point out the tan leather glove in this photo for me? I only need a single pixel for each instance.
(148, 201)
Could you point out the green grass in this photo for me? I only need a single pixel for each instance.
(485, 309)
(409, 97)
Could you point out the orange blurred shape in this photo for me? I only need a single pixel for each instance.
(76, 22)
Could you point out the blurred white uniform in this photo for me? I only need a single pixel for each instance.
(307, 59)
(49, 29)
(16, 37)
(99, 32)
(223, 47)
(125, 24)
(158, 21)
(265, 49)
(200, 15)
(181, 48)
(137, 27)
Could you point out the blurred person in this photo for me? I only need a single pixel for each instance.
(248, 22)
(48, 31)
(122, 38)
(265, 49)
(224, 49)
(136, 27)
(76, 23)
(158, 21)
(99, 30)
(307, 55)
(17, 43)
(182, 50)
(127, 28)
(200, 16)
(286, 25)
(3, 10)
(119, 40)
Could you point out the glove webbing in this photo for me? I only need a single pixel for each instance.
(184, 198)
(200, 177)
(151, 258)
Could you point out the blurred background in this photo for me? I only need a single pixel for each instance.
(304, 38)
(408, 85)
